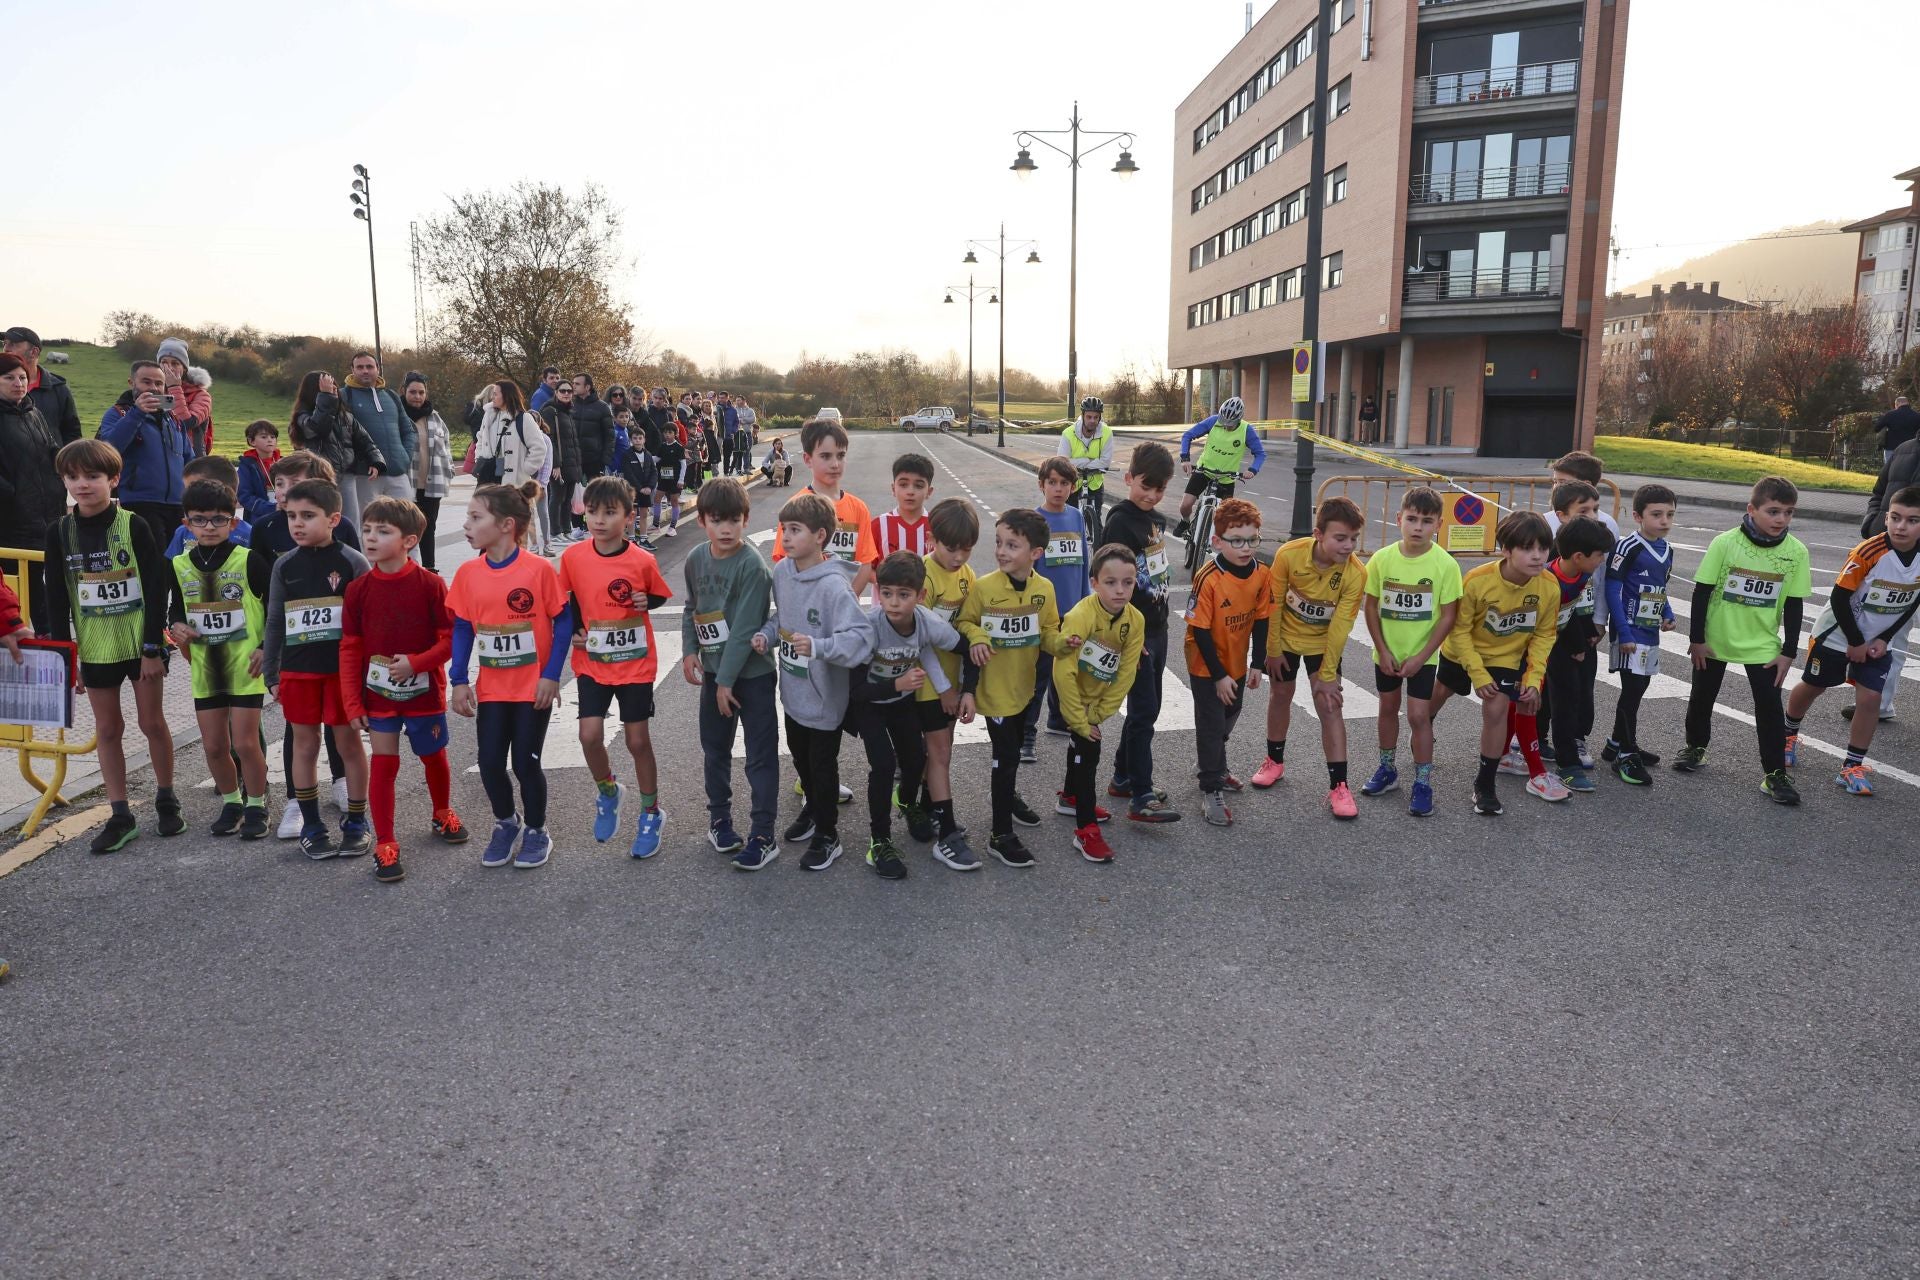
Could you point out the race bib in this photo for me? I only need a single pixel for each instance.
(1583, 603)
(889, 667)
(1315, 613)
(113, 591)
(1752, 588)
(1506, 624)
(710, 631)
(1407, 601)
(1888, 598)
(621, 641)
(1650, 609)
(508, 645)
(792, 661)
(944, 612)
(218, 623)
(314, 621)
(1065, 549)
(1157, 572)
(845, 541)
(381, 680)
(1012, 628)
(1098, 661)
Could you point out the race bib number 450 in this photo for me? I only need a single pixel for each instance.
(1011, 629)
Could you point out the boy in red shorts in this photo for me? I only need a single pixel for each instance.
(305, 605)
(395, 638)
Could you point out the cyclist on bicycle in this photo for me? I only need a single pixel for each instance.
(1228, 442)
(1088, 444)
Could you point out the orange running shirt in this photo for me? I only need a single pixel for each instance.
(511, 609)
(852, 542)
(1227, 606)
(612, 594)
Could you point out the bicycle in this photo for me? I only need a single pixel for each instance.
(1089, 506)
(1200, 524)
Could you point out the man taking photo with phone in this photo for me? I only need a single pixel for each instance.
(153, 448)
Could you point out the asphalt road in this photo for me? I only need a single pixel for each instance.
(1667, 1032)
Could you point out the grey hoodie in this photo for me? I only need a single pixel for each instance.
(894, 654)
(817, 602)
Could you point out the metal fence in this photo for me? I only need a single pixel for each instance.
(1848, 451)
(1488, 84)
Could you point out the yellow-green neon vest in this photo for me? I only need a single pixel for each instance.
(220, 667)
(1224, 450)
(1078, 446)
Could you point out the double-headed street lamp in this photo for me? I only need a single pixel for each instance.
(362, 198)
(1023, 165)
(972, 291)
(1000, 249)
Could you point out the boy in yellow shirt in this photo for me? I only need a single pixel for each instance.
(1105, 634)
(952, 529)
(1317, 585)
(1010, 618)
(1498, 647)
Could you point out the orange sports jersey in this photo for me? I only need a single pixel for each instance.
(1228, 607)
(1885, 586)
(511, 609)
(852, 541)
(612, 594)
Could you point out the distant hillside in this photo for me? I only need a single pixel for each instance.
(1803, 265)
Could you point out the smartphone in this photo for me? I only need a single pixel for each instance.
(166, 402)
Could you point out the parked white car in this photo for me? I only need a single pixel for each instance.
(935, 417)
(827, 415)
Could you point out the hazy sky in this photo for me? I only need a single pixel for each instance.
(794, 176)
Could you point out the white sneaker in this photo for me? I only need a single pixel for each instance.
(1548, 787)
(290, 822)
(339, 796)
(1514, 764)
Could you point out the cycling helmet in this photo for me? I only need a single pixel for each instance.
(1231, 410)
(1092, 404)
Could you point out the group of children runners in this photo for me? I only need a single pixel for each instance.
(352, 636)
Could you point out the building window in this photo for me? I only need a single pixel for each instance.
(1341, 16)
(1291, 55)
(1293, 284)
(1332, 270)
(1340, 99)
(1337, 185)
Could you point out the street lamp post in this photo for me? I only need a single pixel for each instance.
(362, 198)
(972, 291)
(1310, 304)
(998, 248)
(1023, 165)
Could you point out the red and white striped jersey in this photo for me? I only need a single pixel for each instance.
(892, 532)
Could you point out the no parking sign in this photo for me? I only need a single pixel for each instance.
(1466, 525)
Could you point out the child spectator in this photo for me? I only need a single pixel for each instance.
(1229, 607)
(110, 598)
(223, 473)
(256, 490)
(1136, 524)
(1583, 544)
(1065, 565)
(1317, 586)
(728, 597)
(1413, 595)
(1638, 608)
(1102, 637)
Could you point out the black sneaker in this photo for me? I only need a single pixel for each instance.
(1690, 760)
(1009, 850)
(885, 860)
(119, 832)
(1610, 753)
(1487, 801)
(919, 823)
(171, 823)
(317, 843)
(1023, 815)
(229, 820)
(802, 829)
(1631, 770)
(1182, 528)
(1779, 788)
(821, 854)
(253, 825)
(1027, 753)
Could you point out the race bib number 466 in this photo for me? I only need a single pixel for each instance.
(1315, 613)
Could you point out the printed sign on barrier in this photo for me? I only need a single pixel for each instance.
(1466, 525)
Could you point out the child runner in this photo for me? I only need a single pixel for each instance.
(905, 527)
(1317, 586)
(616, 586)
(821, 634)
(1749, 595)
(1871, 601)
(1498, 648)
(218, 617)
(1102, 639)
(111, 600)
(672, 478)
(395, 638)
(1583, 544)
(1136, 524)
(508, 604)
(1229, 607)
(729, 593)
(304, 608)
(1009, 619)
(1413, 595)
(1638, 606)
(1574, 500)
(221, 472)
(1065, 566)
(954, 529)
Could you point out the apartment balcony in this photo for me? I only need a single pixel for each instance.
(1446, 13)
(1464, 194)
(1495, 291)
(1532, 88)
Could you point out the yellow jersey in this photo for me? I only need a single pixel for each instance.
(945, 593)
(1018, 623)
(1501, 624)
(1314, 605)
(1092, 680)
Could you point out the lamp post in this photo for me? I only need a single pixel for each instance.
(1310, 304)
(999, 249)
(972, 291)
(362, 198)
(1023, 165)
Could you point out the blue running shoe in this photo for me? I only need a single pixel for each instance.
(759, 852)
(356, 838)
(1384, 779)
(606, 812)
(723, 837)
(535, 845)
(1420, 803)
(646, 837)
(499, 850)
(1577, 779)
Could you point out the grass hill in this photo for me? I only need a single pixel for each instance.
(98, 376)
(1793, 262)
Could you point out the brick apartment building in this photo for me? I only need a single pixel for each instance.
(1468, 192)
(1885, 284)
(1633, 319)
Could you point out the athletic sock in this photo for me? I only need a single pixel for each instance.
(1793, 726)
(943, 817)
(308, 798)
(386, 769)
(439, 780)
(1423, 773)
(356, 811)
(608, 787)
(1855, 755)
(233, 797)
(1386, 758)
(1336, 773)
(1526, 730)
(1483, 780)
(649, 800)
(121, 809)
(1277, 750)
(257, 802)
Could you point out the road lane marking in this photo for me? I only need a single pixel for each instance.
(66, 829)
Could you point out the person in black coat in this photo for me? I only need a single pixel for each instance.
(557, 415)
(49, 390)
(1896, 426)
(31, 494)
(593, 426)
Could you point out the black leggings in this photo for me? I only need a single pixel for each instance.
(891, 732)
(1005, 733)
(1769, 720)
(1626, 712)
(1083, 762)
(514, 728)
(335, 768)
(430, 508)
(1566, 689)
(816, 758)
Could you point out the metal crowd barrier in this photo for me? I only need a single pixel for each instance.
(24, 740)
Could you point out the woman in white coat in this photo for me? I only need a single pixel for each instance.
(514, 436)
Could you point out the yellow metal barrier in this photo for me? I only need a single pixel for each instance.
(22, 738)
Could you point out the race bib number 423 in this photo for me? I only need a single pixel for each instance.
(314, 621)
